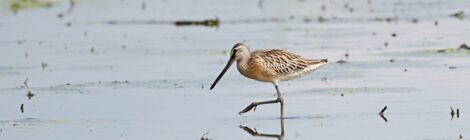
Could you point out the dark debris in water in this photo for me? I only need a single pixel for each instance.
(30, 95)
(386, 19)
(68, 24)
(25, 82)
(342, 61)
(464, 46)
(204, 136)
(68, 11)
(44, 65)
(143, 6)
(455, 113)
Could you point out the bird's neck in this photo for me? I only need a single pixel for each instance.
(242, 65)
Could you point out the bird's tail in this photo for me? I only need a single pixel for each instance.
(316, 61)
(315, 64)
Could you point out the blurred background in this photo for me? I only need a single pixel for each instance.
(140, 69)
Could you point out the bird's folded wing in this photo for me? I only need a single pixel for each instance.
(282, 62)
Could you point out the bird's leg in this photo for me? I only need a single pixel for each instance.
(279, 99)
(255, 104)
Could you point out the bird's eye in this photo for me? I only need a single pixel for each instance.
(234, 51)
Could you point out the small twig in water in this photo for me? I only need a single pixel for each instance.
(452, 113)
(26, 82)
(384, 118)
(383, 110)
(69, 10)
(203, 137)
(21, 108)
(381, 113)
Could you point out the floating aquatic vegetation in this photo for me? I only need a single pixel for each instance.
(460, 15)
(120, 82)
(461, 49)
(30, 95)
(28, 122)
(16, 5)
(208, 23)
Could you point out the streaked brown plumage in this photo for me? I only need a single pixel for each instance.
(269, 66)
(278, 65)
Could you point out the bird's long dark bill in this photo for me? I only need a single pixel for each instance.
(229, 63)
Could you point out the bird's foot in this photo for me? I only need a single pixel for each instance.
(248, 108)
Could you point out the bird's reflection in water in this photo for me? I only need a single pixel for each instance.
(255, 133)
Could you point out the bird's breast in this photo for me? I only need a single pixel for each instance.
(256, 71)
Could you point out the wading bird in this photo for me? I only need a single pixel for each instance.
(269, 66)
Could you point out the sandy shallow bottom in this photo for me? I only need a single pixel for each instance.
(144, 78)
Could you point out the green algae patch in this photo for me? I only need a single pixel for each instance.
(462, 49)
(17, 5)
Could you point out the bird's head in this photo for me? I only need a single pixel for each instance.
(239, 52)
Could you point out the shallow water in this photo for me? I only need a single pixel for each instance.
(150, 81)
